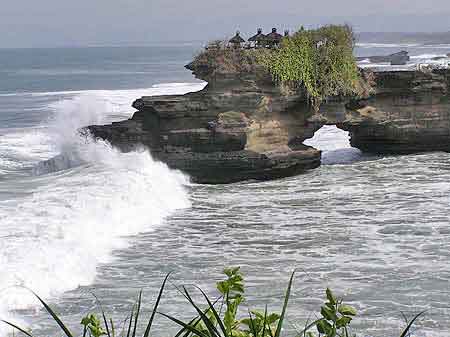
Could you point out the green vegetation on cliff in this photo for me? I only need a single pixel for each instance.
(221, 317)
(319, 60)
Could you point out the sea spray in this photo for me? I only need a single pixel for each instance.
(71, 220)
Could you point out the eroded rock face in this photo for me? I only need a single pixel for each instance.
(242, 126)
(239, 127)
(409, 113)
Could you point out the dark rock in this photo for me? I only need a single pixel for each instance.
(400, 58)
(409, 113)
(241, 126)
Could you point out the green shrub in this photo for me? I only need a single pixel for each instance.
(218, 58)
(319, 60)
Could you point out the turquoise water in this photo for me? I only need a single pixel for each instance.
(376, 229)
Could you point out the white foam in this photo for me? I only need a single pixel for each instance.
(71, 221)
(427, 56)
(334, 144)
(173, 88)
(386, 45)
(415, 60)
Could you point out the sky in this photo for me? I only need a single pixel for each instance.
(53, 23)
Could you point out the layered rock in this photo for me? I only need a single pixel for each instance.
(240, 126)
(409, 113)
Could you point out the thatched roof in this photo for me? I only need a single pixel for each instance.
(237, 38)
(274, 36)
(258, 37)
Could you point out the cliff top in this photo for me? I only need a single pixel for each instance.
(319, 61)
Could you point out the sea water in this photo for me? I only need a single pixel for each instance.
(78, 217)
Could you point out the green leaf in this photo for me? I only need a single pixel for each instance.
(264, 323)
(343, 321)
(408, 327)
(328, 314)
(253, 327)
(184, 325)
(131, 320)
(331, 306)
(324, 327)
(223, 287)
(205, 319)
(55, 316)
(347, 310)
(194, 322)
(214, 313)
(330, 296)
(18, 328)
(150, 322)
(85, 321)
(272, 318)
(308, 327)
(231, 271)
(104, 316)
(137, 313)
(283, 311)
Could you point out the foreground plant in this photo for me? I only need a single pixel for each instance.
(210, 322)
(220, 317)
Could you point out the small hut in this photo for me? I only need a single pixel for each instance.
(273, 39)
(237, 41)
(258, 40)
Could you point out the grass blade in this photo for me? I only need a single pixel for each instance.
(193, 323)
(184, 325)
(131, 320)
(209, 325)
(150, 322)
(252, 325)
(411, 323)
(112, 328)
(283, 311)
(307, 327)
(55, 316)
(18, 328)
(137, 313)
(264, 322)
(105, 321)
(195, 320)
(215, 313)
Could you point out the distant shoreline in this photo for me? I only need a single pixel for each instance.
(424, 38)
(399, 37)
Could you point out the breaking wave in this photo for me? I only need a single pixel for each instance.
(68, 220)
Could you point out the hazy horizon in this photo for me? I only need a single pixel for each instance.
(51, 23)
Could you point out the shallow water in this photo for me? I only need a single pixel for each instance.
(375, 229)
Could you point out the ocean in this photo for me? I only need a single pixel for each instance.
(374, 228)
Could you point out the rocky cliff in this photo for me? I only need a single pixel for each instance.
(242, 126)
(409, 113)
